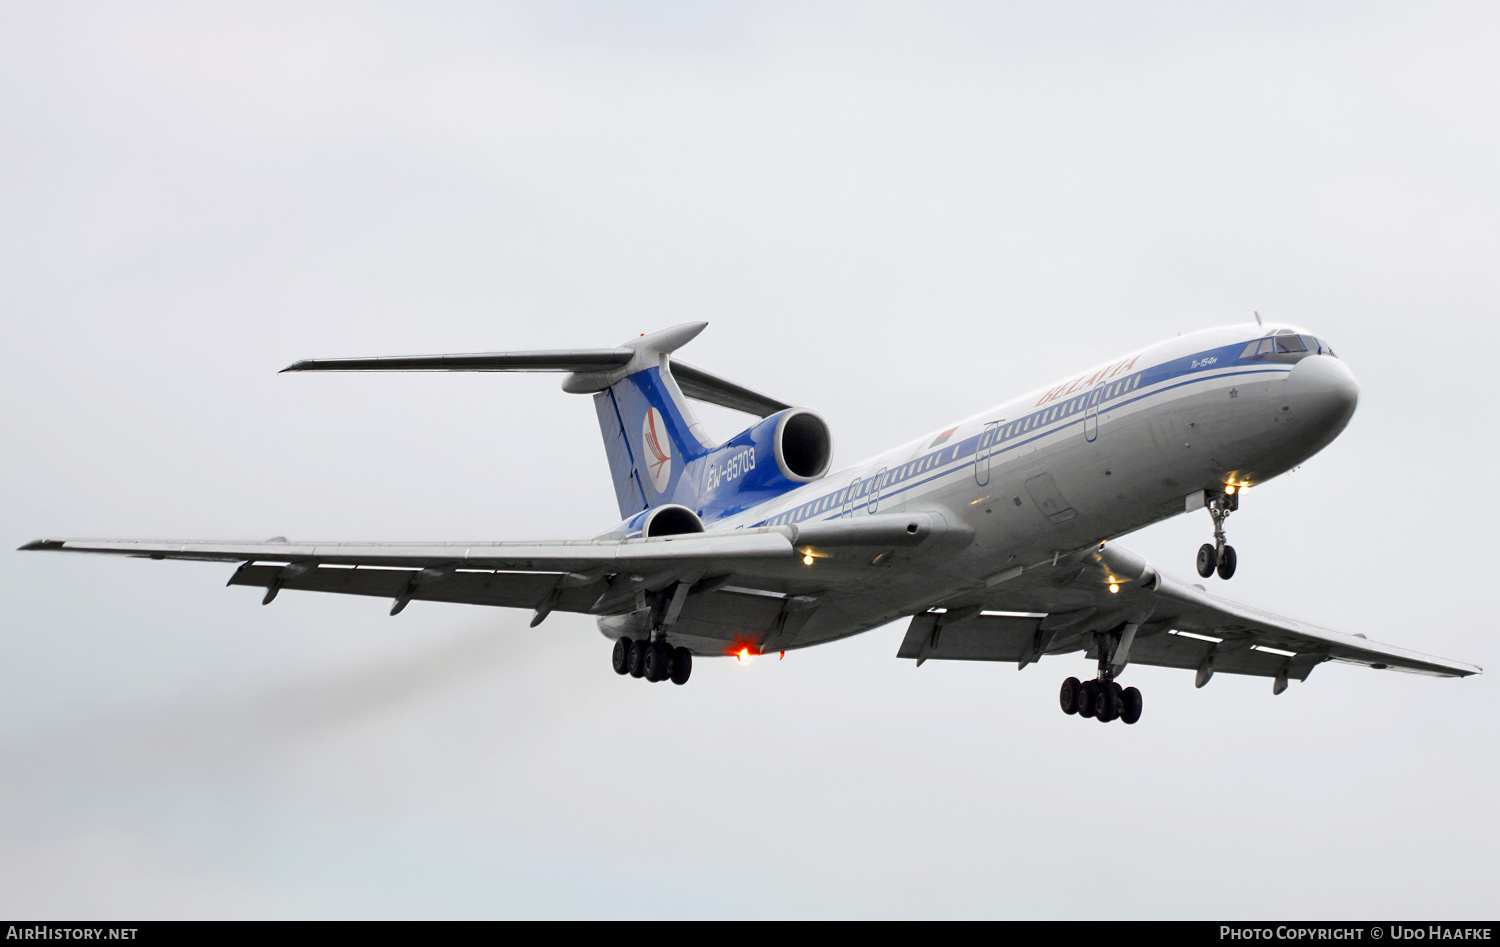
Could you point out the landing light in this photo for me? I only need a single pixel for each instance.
(807, 560)
(1229, 490)
(1114, 587)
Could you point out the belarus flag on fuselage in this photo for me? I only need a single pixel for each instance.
(943, 436)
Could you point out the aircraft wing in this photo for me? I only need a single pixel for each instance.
(598, 576)
(1250, 639)
(565, 576)
(1062, 606)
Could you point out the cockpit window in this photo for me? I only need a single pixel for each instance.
(1284, 345)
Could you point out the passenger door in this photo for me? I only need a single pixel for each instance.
(982, 453)
(1091, 416)
(849, 493)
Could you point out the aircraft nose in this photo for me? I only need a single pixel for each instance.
(1324, 393)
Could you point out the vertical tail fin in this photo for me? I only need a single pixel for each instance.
(650, 432)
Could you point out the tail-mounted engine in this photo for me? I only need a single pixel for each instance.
(772, 456)
(777, 454)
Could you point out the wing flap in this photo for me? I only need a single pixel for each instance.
(1179, 651)
(1074, 592)
(503, 589)
(1243, 626)
(983, 638)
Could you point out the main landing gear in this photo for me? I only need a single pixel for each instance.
(1219, 556)
(653, 660)
(1102, 700)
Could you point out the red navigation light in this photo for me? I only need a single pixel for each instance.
(742, 649)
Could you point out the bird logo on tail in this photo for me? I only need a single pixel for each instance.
(658, 450)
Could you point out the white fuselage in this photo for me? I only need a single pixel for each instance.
(1097, 455)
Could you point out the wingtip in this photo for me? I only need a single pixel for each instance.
(301, 366)
(37, 545)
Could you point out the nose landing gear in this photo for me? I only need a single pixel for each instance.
(1220, 556)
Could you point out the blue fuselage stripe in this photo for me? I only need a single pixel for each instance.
(1028, 429)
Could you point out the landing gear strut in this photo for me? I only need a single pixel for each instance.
(653, 660)
(1220, 556)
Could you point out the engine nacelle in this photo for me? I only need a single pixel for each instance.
(802, 444)
(673, 519)
(783, 451)
(776, 454)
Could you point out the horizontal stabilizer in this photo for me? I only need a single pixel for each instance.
(570, 360)
(706, 386)
(593, 369)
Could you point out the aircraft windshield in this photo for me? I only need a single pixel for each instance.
(1286, 346)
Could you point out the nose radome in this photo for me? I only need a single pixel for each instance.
(1324, 393)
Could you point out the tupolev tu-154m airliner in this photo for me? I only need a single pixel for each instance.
(994, 536)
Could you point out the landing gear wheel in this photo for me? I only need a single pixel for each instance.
(1208, 558)
(620, 660)
(635, 659)
(1107, 706)
(1068, 696)
(656, 663)
(1130, 705)
(1088, 694)
(682, 665)
(1227, 561)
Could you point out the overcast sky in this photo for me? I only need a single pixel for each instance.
(894, 214)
